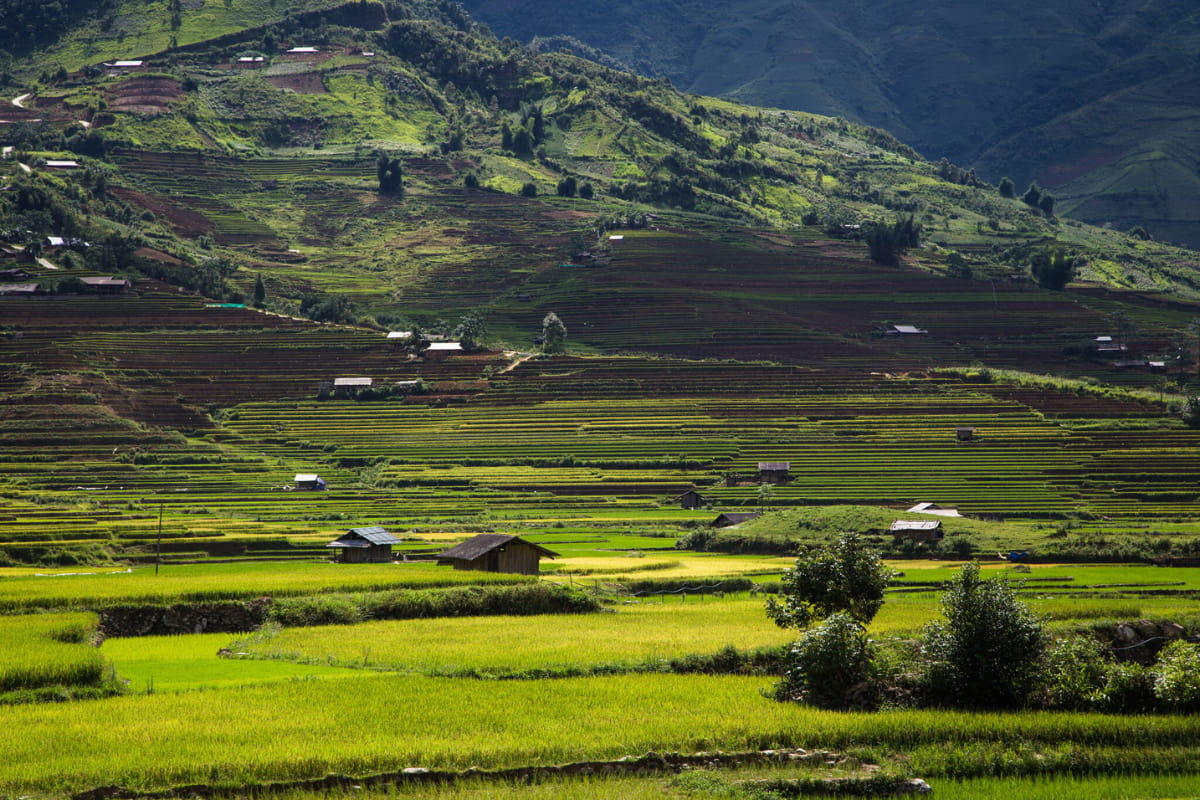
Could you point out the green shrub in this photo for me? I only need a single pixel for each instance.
(987, 651)
(827, 663)
(1074, 674)
(1128, 688)
(1177, 676)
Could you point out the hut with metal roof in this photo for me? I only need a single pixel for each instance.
(308, 481)
(774, 471)
(917, 531)
(371, 545)
(496, 552)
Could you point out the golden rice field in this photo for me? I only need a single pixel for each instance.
(197, 583)
(633, 635)
(47, 650)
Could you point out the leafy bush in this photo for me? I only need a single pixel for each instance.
(463, 601)
(987, 651)
(827, 663)
(1074, 674)
(1177, 676)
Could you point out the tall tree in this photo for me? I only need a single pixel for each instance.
(554, 334)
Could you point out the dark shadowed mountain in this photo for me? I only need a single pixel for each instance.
(1097, 99)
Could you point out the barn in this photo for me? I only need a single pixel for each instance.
(774, 471)
(922, 531)
(690, 499)
(496, 552)
(372, 545)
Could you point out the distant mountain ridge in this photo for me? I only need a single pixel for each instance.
(1097, 100)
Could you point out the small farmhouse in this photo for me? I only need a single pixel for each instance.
(348, 385)
(308, 482)
(20, 288)
(917, 531)
(371, 545)
(774, 471)
(964, 434)
(103, 285)
(496, 552)
(731, 518)
(443, 349)
(62, 164)
(690, 499)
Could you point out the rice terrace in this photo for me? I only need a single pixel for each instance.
(389, 409)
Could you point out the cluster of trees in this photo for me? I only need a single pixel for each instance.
(988, 650)
(1052, 268)
(886, 242)
(390, 173)
(1035, 196)
(527, 135)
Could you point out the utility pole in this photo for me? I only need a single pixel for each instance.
(158, 542)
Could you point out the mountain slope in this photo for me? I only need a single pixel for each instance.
(985, 85)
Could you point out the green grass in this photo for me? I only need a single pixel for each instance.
(228, 581)
(149, 664)
(638, 636)
(48, 650)
(267, 732)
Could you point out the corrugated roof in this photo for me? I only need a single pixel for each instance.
(338, 382)
(907, 329)
(364, 537)
(449, 346)
(305, 477)
(774, 466)
(915, 525)
(486, 542)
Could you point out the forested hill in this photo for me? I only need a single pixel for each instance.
(1096, 100)
(357, 154)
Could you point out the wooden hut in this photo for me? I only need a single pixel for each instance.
(372, 545)
(691, 499)
(964, 434)
(774, 471)
(496, 552)
(917, 531)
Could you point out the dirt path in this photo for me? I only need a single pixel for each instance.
(520, 359)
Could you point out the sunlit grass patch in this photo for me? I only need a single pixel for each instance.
(643, 635)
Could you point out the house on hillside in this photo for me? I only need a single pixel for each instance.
(103, 285)
(1105, 344)
(443, 349)
(126, 65)
(496, 552)
(917, 531)
(62, 164)
(348, 385)
(308, 481)
(730, 518)
(372, 545)
(20, 288)
(964, 434)
(691, 499)
(774, 471)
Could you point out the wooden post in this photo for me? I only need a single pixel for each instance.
(158, 542)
